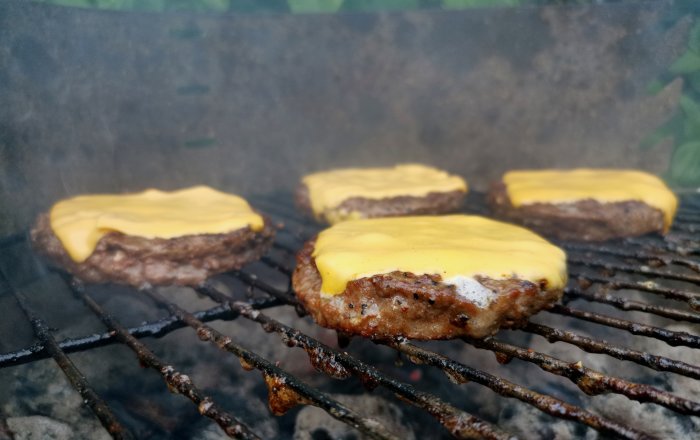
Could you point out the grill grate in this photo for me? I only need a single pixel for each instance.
(97, 405)
(650, 265)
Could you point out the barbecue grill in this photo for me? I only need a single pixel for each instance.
(652, 265)
(105, 101)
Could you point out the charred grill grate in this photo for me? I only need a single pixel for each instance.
(651, 265)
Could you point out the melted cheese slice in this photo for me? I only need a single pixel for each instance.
(80, 222)
(327, 190)
(604, 186)
(456, 247)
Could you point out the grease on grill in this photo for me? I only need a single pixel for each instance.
(466, 426)
(368, 381)
(503, 359)
(327, 363)
(246, 366)
(455, 377)
(281, 398)
(591, 381)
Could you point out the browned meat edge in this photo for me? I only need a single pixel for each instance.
(139, 261)
(415, 306)
(432, 203)
(585, 220)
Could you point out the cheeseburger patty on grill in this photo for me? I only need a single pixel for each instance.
(338, 195)
(124, 258)
(587, 205)
(427, 304)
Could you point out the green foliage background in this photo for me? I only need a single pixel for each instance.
(684, 126)
(295, 6)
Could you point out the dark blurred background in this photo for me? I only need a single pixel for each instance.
(247, 96)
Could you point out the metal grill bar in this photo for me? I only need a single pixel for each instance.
(595, 346)
(671, 337)
(590, 381)
(626, 388)
(643, 286)
(626, 304)
(339, 365)
(98, 406)
(659, 363)
(689, 206)
(288, 249)
(635, 254)
(664, 251)
(683, 217)
(659, 245)
(277, 265)
(275, 374)
(287, 297)
(640, 270)
(460, 373)
(680, 238)
(174, 379)
(154, 329)
(684, 227)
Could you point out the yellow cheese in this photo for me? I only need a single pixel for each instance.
(327, 190)
(456, 247)
(604, 186)
(80, 222)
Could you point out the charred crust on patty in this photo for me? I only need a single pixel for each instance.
(432, 203)
(415, 306)
(137, 261)
(583, 220)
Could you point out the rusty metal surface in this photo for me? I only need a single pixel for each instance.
(176, 381)
(285, 391)
(98, 406)
(604, 269)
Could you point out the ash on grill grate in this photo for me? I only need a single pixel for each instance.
(627, 351)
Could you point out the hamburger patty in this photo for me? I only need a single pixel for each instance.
(587, 220)
(139, 261)
(415, 306)
(431, 203)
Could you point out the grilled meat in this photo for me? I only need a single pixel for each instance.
(586, 220)
(416, 306)
(432, 203)
(139, 261)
